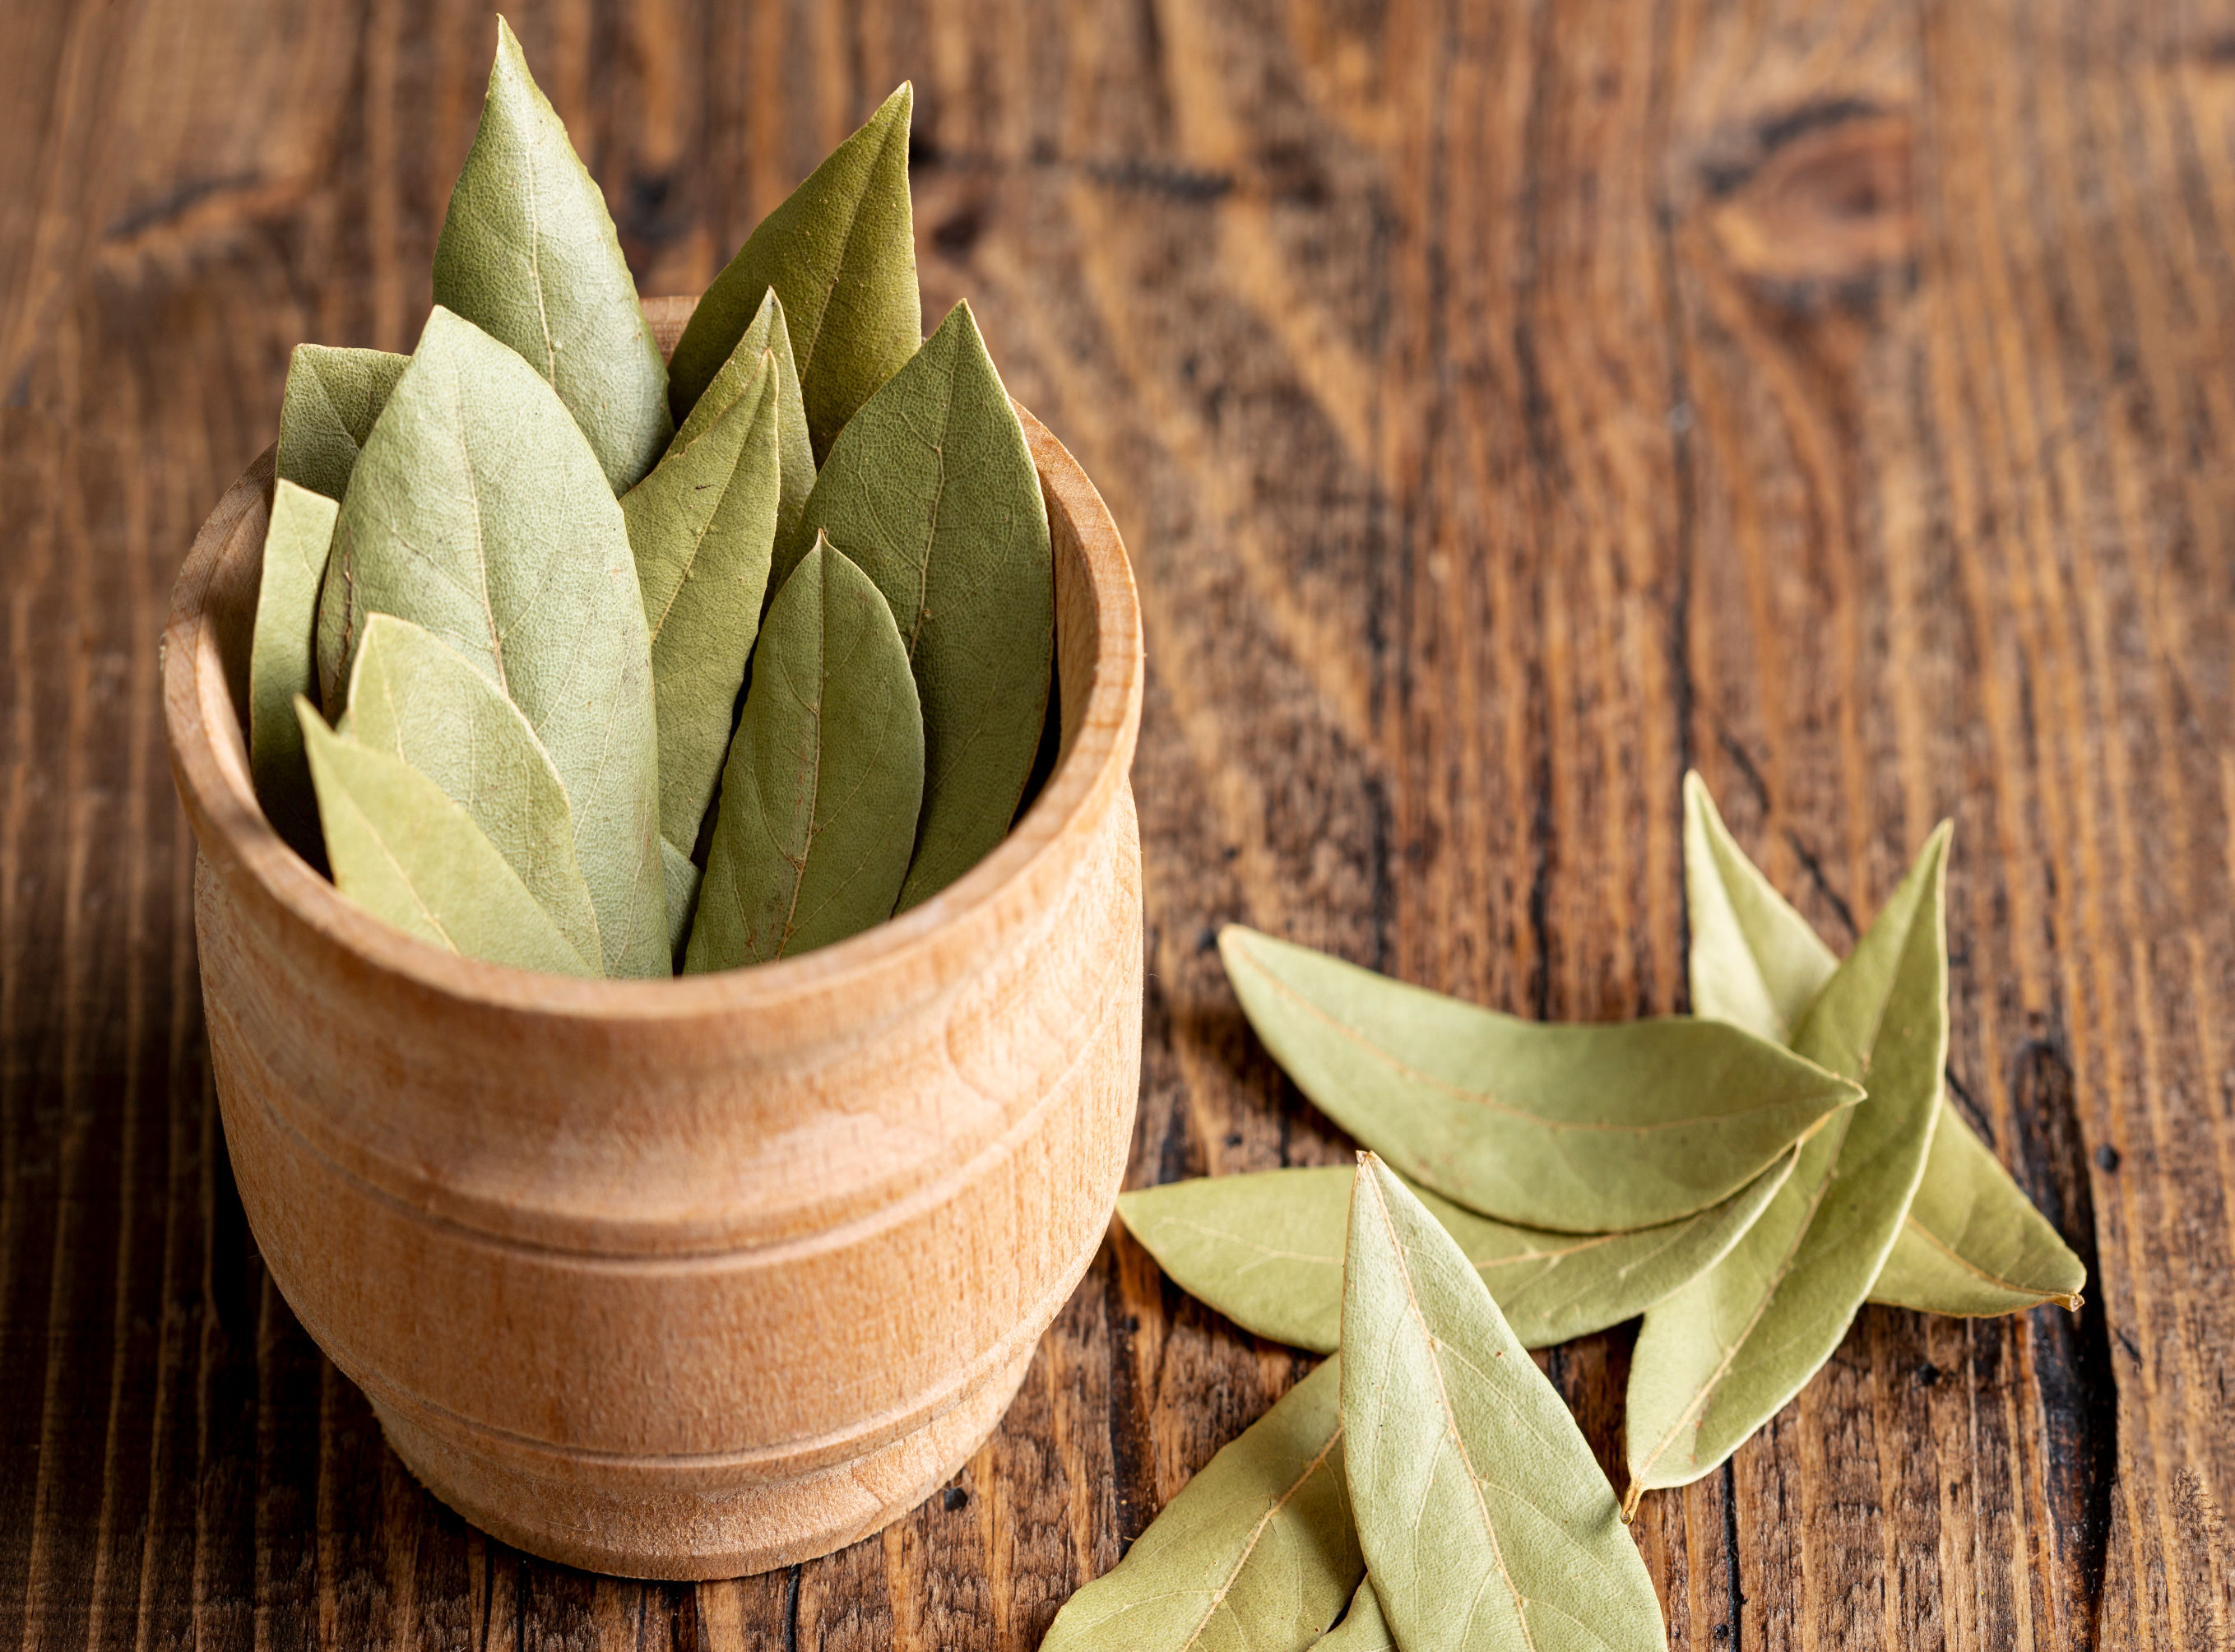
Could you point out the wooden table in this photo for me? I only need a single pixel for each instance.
(1507, 407)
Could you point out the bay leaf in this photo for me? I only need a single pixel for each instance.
(932, 490)
(415, 697)
(1723, 1354)
(1266, 1250)
(703, 526)
(1483, 1518)
(1588, 1129)
(407, 854)
(282, 660)
(333, 396)
(1362, 1629)
(528, 254)
(478, 511)
(825, 775)
(1255, 1554)
(767, 335)
(682, 875)
(1972, 1244)
(839, 251)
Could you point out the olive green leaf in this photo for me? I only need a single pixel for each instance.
(281, 662)
(1483, 1518)
(327, 410)
(413, 696)
(701, 526)
(825, 775)
(1722, 1356)
(478, 511)
(1578, 1129)
(408, 854)
(840, 250)
(1972, 1242)
(528, 254)
(767, 335)
(682, 875)
(1362, 1629)
(932, 490)
(1255, 1554)
(1266, 1250)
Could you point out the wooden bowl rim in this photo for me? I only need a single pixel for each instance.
(212, 778)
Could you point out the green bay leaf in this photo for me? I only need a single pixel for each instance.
(767, 335)
(932, 489)
(1587, 1128)
(1755, 961)
(282, 660)
(1483, 1518)
(1362, 1629)
(702, 527)
(839, 251)
(529, 255)
(1722, 1356)
(410, 856)
(414, 697)
(479, 512)
(333, 396)
(1266, 1250)
(1255, 1554)
(825, 776)
(682, 875)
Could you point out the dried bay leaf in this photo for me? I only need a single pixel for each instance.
(1485, 1520)
(839, 251)
(1255, 1554)
(701, 527)
(478, 511)
(1588, 1129)
(932, 489)
(282, 660)
(1972, 1244)
(825, 776)
(333, 398)
(407, 854)
(767, 335)
(529, 255)
(1723, 1354)
(682, 875)
(1362, 1629)
(1266, 1250)
(413, 696)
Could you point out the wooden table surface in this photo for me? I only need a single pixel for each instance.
(1507, 407)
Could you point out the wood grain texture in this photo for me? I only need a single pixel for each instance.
(1505, 407)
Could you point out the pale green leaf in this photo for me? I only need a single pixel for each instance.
(1755, 961)
(840, 250)
(528, 254)
(768, 334)
(414, 697)
(682, 875)
(1362, 1629)
(1266, 1250)
(333, 396)
(1578, 1128)
(703, 526)
(478, 511)
(932, 490)
(282, 660)
(825, 776)
(1255, 1554)
(408, 854)
(1483, 1518)
(1722, 1355)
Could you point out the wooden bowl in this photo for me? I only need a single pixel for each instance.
(684, 1278)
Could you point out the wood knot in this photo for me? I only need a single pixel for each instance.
(1817, 204)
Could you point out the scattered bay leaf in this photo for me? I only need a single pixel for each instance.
(1590, 1129)
(1255, 1554)
(703, 526)
(327, 410)
(1483, 1518)
(825, 776)
(407, 854)
(840, 250)
(282, 660)
(1755, 961)
(1266, 1250)
(932, 490)
(1362, 1629)
(478, 511)
(528, 254)
(1722, 1355)
(767, 335)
